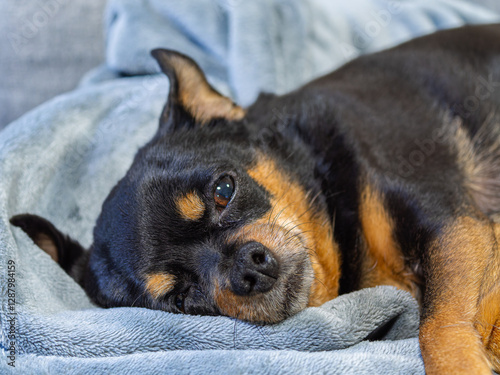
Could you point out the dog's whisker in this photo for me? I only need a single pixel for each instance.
(278, 215)
(139, 296)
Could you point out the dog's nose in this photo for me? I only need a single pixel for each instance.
(254, 271)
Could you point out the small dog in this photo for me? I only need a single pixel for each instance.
(384, 172)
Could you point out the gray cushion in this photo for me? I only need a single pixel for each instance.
(45, 48)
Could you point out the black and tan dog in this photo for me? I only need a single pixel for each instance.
(386, 171)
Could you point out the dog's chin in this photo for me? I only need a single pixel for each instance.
(295, 288)
(288, 296)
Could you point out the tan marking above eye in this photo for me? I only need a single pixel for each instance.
(159, 284)
(190, 206)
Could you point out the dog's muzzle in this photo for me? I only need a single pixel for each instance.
(255, 270)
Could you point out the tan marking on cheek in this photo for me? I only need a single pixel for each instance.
(292, 210)
(159, 284)
(190, 206)
(383, 263)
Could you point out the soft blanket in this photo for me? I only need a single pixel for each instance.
(61, 160)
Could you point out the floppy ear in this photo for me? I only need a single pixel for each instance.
(190, 94)
(70, 255)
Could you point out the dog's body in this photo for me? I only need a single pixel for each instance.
(385, 172)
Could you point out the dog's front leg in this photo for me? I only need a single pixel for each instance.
(460, 307)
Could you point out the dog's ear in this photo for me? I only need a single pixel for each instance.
(191, 98)
(70, 255)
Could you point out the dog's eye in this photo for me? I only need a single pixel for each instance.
(179, 302)
(223, 192)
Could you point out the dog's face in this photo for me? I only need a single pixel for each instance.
(210, 219)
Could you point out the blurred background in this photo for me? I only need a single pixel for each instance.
(46, 46)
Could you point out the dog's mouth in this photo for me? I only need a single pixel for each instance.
(271, 276)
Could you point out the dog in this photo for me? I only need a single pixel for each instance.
(384, 172)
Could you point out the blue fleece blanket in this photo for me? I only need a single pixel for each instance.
(61, 160)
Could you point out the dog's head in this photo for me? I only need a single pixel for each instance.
(211, 218)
